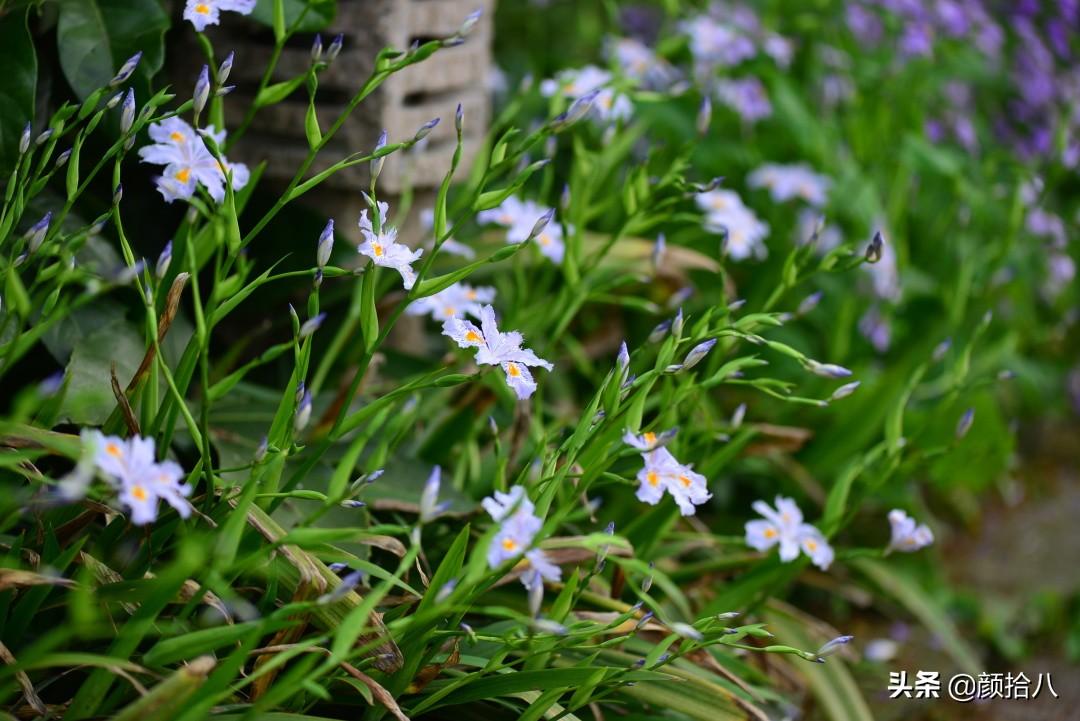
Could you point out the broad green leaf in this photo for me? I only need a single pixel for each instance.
(320, 13)
(17, 85)
(95, 37)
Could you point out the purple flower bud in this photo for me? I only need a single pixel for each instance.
(126, 70)
(698, 353)
(429, 497)
(446, 590)
(643, 620)
(677, 324)
(301, 388)
(623, 359)
(127, 114)
(225, 68)
(876, 248)
(377, 163)
(115, 100)
(51, 385)
(118, 194)
(43, 137)
(659, 332)
(311, 325)
(129, 272)
(844, 391)
(202, 90)
(686, 631)
(338, 567)
(964, 424)
(541, 223)
(832, 647)
(347, 584)
(704, 116)
(470, 22)
(224, 90)
(316, 48)
(941, 349)
(335, 48)
(827, 370)
(61, 160)
(36, 233)
(425, 130)
(459, 118)
(352, 503)
(263, 449)
(809, 303)
(536, 593)
(303, 413)
(738, 415)
(163, 261)
(658, 252)
(680, 296)
(326, 245)
(577, 110)
(24, 139)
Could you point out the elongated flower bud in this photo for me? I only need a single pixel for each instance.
(37, 232)
(623, 359)
(311, 325)
(335, 48)
(225, 68)
(202, 90)
(326, 245)
(941, 349)
(577, 110)
(677, 324)
(264, 446)
(809, 303)
(425, 130)
(876, 248)
(541, 223)
(459, 118)
(844, 391)
(704, 116)
(965, 422)
(118, 194)
(698, 353)
(536, 594)
(833, 646)
(827, 370)
(470, 22)
(303, 413)
(61, 160)
(127, 114)
(445, 591)
(738, 415)
(316, 48)
(430, 508)
(43, 137)
(163, 261)
(342, 590)
(686, 631)
(24, 139)
(659, 251)
(377, 163)
(126, 70)
(659, 332)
